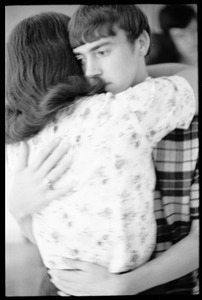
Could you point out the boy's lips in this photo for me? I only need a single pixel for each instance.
(107, 83)
(106, 86)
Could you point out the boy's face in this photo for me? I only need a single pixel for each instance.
(115, 60)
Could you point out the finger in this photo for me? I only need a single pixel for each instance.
(53, 159)
(66, 276)
(62, 294)
(65, 289)
(43, 154)
(78, 265)
(56, 193)
(23, 157)
(69, 264)
(62, 166)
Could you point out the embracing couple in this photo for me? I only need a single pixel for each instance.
(103, 154)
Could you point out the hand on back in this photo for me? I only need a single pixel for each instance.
(33, 185)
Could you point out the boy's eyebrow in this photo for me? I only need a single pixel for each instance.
(95, 47)
(100, 45)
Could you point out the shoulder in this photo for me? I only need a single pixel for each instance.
(172, 86)
(177, 82)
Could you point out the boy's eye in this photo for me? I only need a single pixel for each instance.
(81, 59)
(102, 52)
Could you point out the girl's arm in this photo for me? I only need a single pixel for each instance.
(191, 75)
(170, 69)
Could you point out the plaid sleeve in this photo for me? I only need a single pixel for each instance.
(175, 159)
(176, 200)
(194, 196)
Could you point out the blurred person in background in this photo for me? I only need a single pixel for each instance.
(178, 40)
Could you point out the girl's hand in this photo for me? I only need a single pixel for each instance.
(33, 186)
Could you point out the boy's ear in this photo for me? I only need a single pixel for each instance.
(144, 43)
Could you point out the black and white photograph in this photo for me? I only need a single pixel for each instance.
(102, 150)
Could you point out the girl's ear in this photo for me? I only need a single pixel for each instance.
(144, 43)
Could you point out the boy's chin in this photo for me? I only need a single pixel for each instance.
(111, 88)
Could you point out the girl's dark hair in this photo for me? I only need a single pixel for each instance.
(39, 63)
(92, 22)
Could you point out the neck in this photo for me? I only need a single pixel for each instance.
(142, 74)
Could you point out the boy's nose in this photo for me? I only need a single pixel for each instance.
(92, 69)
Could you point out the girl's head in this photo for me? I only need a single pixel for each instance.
(93, 22)
(38, 57)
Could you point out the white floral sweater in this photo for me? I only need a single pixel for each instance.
(107, 215)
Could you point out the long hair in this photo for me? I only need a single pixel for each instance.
(38, 60)
(92, 22)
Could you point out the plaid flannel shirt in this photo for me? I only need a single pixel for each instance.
(177, 196)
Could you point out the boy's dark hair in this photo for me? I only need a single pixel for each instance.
(39, 66)
(92, 22)
(178, 16)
